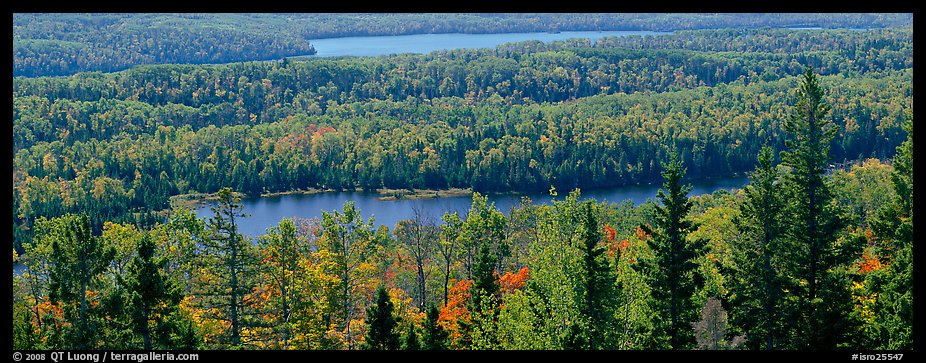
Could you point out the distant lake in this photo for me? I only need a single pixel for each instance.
(266, 212)
(426, 43)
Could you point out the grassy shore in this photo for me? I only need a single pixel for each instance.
(195, 200)
(396, 194)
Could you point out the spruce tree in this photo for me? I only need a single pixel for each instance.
(152, 299)
(894, 284)
(77, 259)
(598, 283)
(411, 339)
(382, 326)
(756, 281)
(819, 298)
(435, 337)
(485, 299)
(673, 272)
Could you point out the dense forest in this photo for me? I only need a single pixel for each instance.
(64, 44)
(808, 256)
(522, 116)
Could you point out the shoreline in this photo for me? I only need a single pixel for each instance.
(196, 200)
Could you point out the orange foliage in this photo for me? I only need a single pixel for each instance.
(870, 262)
(455, 310)
(46, 307)
(511, 282)
(641, 234)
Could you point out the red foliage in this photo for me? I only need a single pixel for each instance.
(610, 232)
(324, 130)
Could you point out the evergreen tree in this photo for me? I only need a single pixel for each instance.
(485, 299)
(756, 280)
(673, 272)
(598, 283)
(230, 262)
(382, 326)
(152, 299)
(435, 337)
(411, 339)
(818, 293)
(893, 328)
(484, 278)
(77, 259)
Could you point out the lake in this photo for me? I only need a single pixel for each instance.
(426, 43)
(266, 212)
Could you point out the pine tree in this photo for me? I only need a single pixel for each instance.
(673, 272)
(435, 337)
(819, 296)
(230, 262)
(756, 281)
(381, 324)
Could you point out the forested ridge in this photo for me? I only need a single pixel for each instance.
(63, 44)
(523, 116)
(806, 257)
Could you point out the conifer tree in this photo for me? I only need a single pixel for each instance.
(382, 325)
(230, 262)
(411, 339)
(819, 298)
(77, 259)
(673, 271)
(756, 281)
(894, 284)
(435, 337)
(152, 298)
(598, 283)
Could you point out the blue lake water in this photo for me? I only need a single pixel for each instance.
(266, 212)
(426, 43)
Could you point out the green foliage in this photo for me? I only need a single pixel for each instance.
(77, 260)
(151, 301)
(673, 273)
(351, 241)
(382, 326)
(435, 337)
(598, 286)
(757, 280)
(891, 323)
(61, 44)
(228, 267)
(111, 261)
(819, 303)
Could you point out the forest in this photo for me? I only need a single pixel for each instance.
(64, 44)
(807, 256)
